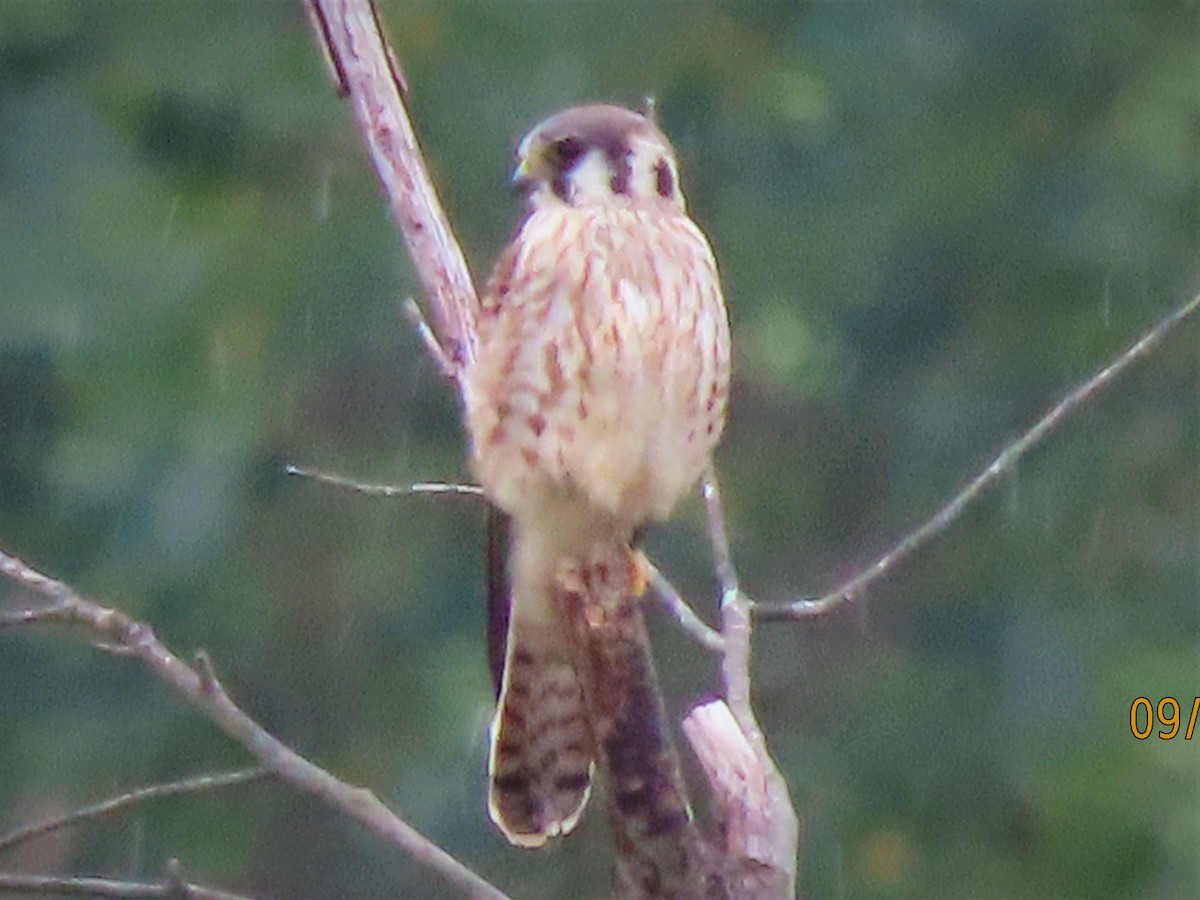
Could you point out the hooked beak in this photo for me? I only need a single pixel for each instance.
(522, 177)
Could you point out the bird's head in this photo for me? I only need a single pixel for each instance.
(593, 154)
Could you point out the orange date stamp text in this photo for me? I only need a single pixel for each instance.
(1145, 714)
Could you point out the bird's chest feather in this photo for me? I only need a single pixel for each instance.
(603, 363)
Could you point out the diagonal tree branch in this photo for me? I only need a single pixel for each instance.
(992, 473)
(121, 634)
(368, 75)
(196, 785)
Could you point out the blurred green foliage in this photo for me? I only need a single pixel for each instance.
(933, 219)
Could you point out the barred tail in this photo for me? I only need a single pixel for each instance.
(541, 757)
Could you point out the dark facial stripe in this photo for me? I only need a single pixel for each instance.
(618, 158)
(664, 180)
(560, 187)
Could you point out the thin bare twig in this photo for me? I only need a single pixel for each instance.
(133, 638)
(33, 885)
(680, 611)
(385, 490)
(367, 73)
(112, 805)
(993, 472)
(416, 318)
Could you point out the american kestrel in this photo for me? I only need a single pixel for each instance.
(595, 400)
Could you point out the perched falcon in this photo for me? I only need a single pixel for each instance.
(593, 404)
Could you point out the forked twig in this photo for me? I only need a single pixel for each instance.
(119, 633)
(195, 785)
(995, 470)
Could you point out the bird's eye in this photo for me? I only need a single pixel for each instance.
(566, 151)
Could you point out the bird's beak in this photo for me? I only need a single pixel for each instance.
(522, 176)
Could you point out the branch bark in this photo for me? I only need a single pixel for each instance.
(118, 633)
(350, 34)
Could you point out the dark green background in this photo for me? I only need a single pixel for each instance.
(932, 218)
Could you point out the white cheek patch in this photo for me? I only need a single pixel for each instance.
(591, 176)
